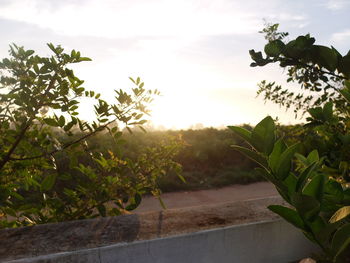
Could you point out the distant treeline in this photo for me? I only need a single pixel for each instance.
(207, 158)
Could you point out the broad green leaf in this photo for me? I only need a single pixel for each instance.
(340, 214)
(307, 206)
(316, 113)
(289, 215)
(274, 157)
(315, 187)
(284, 163)
(344, 66)
(333, 191)
(302, 179)
(243, 133)
(274, 48)
(263, 136)
(313, 157)
(325, 57)
(290, 182)
(258, 158)
(328, 111)
(341, 239)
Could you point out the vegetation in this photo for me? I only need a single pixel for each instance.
(206, 158)
(316, 183)
(49, 172)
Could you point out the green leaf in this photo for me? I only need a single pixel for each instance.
(303, 177)
(243, 133)
(135, 202)
(328, 111)
(344, 66)
(274, 48)
(258, 158)
(341, 239)
(51, 122)
(307, 206)
(274, 157)
(284, 163)
(84, 59)
(289, 215)
(340, 214)
(315, 187)
(324, 57)
(48, 182)
(333, 191)
(346, 93)
(316, 113)
(263, 135)
(61, 121)
(313, 156)
(290, 182)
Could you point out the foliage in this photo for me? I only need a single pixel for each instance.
(320, 204)
(206, 157)
(40, 125)
(324, 72)
(312, 67)
(315, 185)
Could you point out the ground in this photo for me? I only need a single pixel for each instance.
(207, 197)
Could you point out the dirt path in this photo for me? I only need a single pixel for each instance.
(205, 197)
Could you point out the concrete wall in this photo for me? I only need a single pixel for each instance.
(266, 242)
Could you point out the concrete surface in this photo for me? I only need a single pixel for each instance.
(226, 194)
(271, 241)
(243, 231)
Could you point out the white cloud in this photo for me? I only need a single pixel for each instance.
(146, 18)
(124, 19)
(341, 37)
(337, 4)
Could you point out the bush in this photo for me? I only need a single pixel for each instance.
(316, 186)
(48, 170)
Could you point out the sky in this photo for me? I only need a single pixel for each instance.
(194, 52)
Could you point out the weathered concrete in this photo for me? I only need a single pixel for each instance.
(220, 233)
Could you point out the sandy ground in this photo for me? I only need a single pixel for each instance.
(207, 197)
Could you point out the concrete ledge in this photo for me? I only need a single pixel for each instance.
(272, 241)
(218, 233)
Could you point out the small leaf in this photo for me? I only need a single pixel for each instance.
(51, 122)
(61, 121)
(340, 214)
(48, 182)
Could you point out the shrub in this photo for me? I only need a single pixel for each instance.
(49, 172)
(316, 184)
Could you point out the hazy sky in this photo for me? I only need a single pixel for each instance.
(194, 52)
